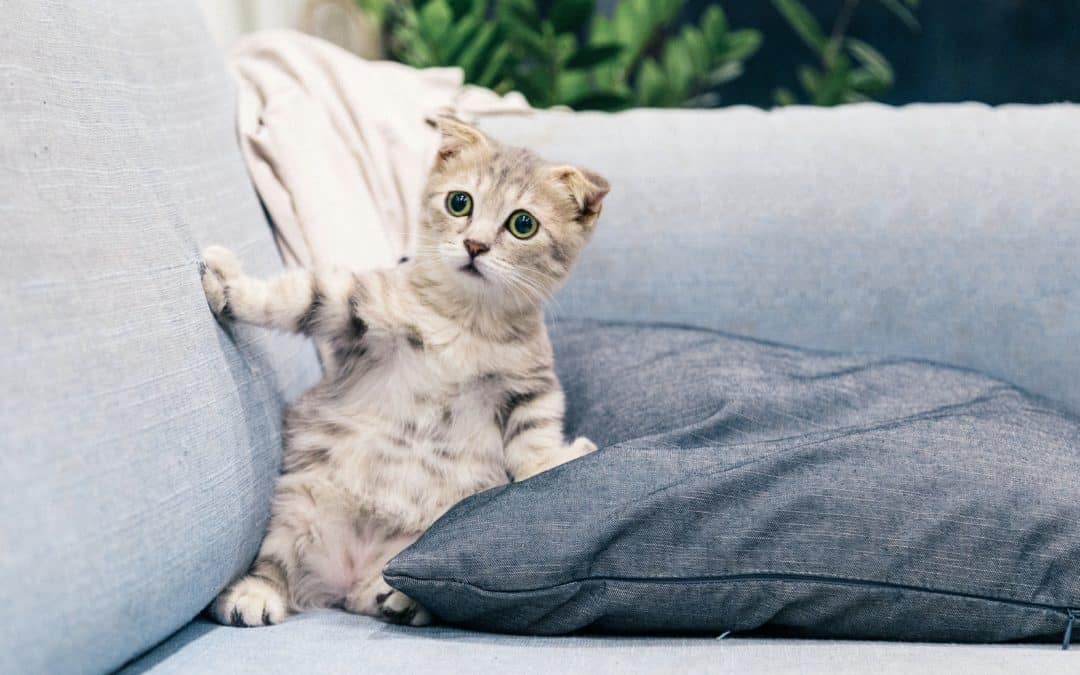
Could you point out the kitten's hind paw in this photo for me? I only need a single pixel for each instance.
(251, 601)
(378, 599)
(396, 607)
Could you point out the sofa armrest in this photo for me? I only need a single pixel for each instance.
(946, 232)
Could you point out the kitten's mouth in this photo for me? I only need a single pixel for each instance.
(471, 270)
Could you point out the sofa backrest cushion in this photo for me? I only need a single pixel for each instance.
(944, 232)
(138, 440)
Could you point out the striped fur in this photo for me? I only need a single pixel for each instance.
(439, 382)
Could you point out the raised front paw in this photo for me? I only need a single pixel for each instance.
(251, 601)
(220, 267)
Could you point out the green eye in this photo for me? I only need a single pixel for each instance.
(522, 224)
(459, 203)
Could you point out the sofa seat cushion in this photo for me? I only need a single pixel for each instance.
(332, 642)
(743, 485)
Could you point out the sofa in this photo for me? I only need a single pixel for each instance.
(139, 439)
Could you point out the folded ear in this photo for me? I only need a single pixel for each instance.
(456, 136)
(587, 187)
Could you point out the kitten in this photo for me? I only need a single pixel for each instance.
(439, 381)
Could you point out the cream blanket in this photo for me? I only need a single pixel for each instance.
(338, 147)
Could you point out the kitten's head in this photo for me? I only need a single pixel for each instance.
(499, 224)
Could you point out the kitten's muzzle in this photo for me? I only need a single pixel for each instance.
(471, 269)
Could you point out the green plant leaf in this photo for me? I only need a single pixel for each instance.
(569, 15)
(678, 65)
(902, 12)
(571, 85)
(725, 73)
(803, 23)
(871, 59)
(810, 79)
(624, 23)
(601, 100)
(698, 48)
(523, 10)
(593, 55)
(650, 83)
(521, 32)
(833, 84)
(864, 81)
(470, 58)
(714, 26)
(492, 72)
(602, 31)
(855, 97)
(742, 44)
(605, 75)
(663, 10)
(783, 97)
(460, 37)
(532, 88)
(435, 18)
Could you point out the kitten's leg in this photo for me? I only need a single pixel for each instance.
(374, 597)
(325, 304)
(260, 598)
(532, 432)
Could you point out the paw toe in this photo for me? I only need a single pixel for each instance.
(398, 608)
(250, 603)
(584, 446)
(215, 292)
(221, 261)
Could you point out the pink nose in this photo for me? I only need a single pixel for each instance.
(476, 248)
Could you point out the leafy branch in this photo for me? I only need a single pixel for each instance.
(569, 55)
(848, 70)
(639, 56)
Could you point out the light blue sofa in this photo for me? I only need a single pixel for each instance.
(139, 440)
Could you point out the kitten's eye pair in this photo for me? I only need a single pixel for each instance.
(520, 223)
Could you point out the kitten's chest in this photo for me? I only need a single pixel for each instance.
(430, 374)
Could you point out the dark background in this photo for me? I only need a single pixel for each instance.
(995, 51)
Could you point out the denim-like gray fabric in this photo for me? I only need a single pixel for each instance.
(742, 484)
(332, 642)
(138, 441)
(943, 232)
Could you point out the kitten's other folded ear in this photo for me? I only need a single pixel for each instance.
(587, 187)
(456, 136)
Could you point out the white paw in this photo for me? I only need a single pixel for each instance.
(221, 265)
(251, 601)
(581, 447)
(222, 261)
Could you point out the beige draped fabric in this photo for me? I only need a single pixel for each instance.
(337, 146)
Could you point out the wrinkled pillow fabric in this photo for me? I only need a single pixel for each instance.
(742, 485)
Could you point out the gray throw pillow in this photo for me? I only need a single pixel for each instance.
(743, 485)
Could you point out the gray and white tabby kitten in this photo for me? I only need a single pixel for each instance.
(439, 381)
